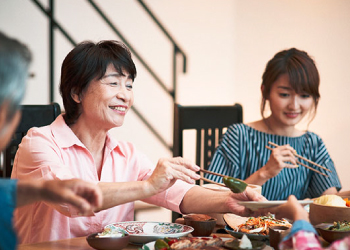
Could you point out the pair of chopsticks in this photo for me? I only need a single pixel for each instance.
(307, 160)
(213, 173)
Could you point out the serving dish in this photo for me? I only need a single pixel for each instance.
(239, 235)
(328, 214)
(142, 232)
(150, 245)
(107, 243)
(255, 205)
(330, 235)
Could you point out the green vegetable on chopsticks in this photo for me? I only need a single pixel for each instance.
(236, 185)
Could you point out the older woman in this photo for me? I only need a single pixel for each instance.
(97, 90)
(14, 60)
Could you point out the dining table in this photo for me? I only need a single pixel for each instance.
(78, 243)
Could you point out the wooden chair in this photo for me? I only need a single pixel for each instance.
(32, 116)
(209, 123)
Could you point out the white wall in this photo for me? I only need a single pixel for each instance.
(228, 43)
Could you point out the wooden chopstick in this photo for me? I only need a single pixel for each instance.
(298, 162)
(301, 157)
(214, 182)
(210, 172)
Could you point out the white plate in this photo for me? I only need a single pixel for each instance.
(142, 232)
(215, 187)
(255, 205)
(150, 245)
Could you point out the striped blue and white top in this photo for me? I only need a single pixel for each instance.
(242, 152)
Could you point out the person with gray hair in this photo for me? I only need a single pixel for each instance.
(15, 58)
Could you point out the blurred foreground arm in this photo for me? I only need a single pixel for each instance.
(302, 235)
(85, 196)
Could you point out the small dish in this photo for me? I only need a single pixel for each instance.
(330, 235)
(107, 243)
(234, 244)
(276, 234)
(203, 225)
(142, 232)
(255, 205)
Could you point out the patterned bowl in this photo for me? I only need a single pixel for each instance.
(142, 232)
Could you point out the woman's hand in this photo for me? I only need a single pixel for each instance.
(281, 157)
(202, 200)
(248, 195)
(168, 171)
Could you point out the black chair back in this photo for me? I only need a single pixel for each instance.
(210, 123)
(32, 116)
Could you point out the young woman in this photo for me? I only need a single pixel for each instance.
(290, 85)
(97, 81)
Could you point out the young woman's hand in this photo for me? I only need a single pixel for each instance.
(281, 157)
(168, 171)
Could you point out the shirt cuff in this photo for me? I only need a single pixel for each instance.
(298, 226)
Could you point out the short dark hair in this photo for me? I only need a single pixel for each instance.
(15, 58)
(88, 61)
(301, 70)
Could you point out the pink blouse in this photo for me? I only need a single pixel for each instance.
(54, 152)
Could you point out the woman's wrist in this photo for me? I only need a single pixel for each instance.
(259, 177)
(148, 188)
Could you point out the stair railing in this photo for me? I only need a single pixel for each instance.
(53, 23)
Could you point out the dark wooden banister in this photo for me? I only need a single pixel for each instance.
(54, 24)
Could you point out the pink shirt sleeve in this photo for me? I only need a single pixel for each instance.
(54, 152)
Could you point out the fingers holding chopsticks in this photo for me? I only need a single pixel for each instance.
(295, 161)
(281, 157)
(168, 170)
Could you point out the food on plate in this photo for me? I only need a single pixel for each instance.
(236, 185)
(340, 226)
(347, 201)
(260, 225)
(188, 243)
(245, 243)
(160, 244)
(330, 200)
(112, 232)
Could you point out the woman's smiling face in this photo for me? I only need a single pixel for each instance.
(288, 108)
(107, 100)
